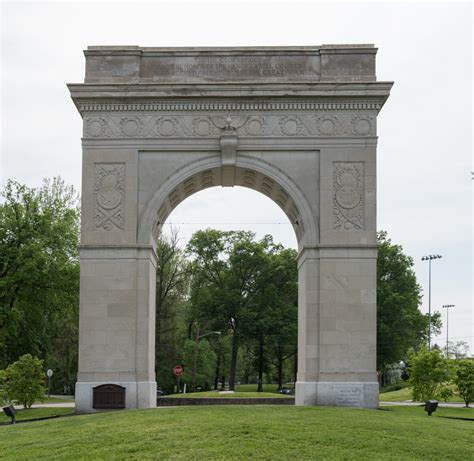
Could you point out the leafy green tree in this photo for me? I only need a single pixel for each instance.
(23, 381)
(400, 323)
(429, 372)
(225, 267)
(445, 393)
(205, 364)
(4, 400)
(171, 304)
(464, 380)
(39, 275)
(275, 321)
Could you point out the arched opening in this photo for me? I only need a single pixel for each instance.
(249, 172)
(267, 356)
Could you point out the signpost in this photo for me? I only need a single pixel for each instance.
(49, 373)
(178, 371)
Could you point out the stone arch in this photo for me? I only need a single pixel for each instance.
(250, 172)
(297, 124)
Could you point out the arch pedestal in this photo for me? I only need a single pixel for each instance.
(296, 124)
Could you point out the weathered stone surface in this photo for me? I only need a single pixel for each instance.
(194, 65)
(297, 124)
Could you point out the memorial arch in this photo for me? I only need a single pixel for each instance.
(295, 123)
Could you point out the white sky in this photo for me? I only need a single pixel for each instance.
(425, 128)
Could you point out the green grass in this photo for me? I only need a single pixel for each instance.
(33, 413)
(242, 391)
(405, 394)
(238, 394)
(266, 388)
(247, 432)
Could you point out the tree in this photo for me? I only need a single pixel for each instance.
(458, 349)
(246, 289)
(225, 267)
(400, 323)
(276, 324)
(171, 293)
(205, 360)
(429, 372)
(464, 380)
(39, 274)
(23, 381)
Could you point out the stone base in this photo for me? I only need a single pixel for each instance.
(338, 394)
(140, 394)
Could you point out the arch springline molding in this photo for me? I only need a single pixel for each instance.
(298, 124)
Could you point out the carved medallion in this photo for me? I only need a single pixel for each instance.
(167, 126)
(202, 126)
(96, 127)
(328, 125)
(255, 126)
(348, 179)
(362, 125)
(131, 126)
(291, 125)
(109, 192)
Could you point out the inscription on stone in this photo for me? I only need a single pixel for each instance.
(348, 395)
(304, 67)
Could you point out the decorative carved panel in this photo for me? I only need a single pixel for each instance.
(348, 199)
(109, 193)
(265, 119)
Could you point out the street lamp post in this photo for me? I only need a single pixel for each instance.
(447, 306)
(196, 352)
(429, 258)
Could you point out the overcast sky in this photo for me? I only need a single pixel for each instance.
(425, 129)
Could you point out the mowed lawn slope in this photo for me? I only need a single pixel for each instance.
(242, 432)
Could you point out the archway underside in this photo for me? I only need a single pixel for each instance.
(244, 177)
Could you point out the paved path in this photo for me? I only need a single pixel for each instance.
(408, 403)
(49, 405)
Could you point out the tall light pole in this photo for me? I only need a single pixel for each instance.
(196, 351)
(429, 258)
(447, 306)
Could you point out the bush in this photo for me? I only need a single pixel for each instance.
(445, 393)
(394, 387)
(429, 372)
(464, 380)
(23, 381)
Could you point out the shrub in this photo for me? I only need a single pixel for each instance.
(23, 381)
(394, 387)
(429, 372)
(3, 395)
(445, 393)
(464, 380)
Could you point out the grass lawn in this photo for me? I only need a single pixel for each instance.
(243, 432)
(33, 413)
(237, 394)
(405, 394)
(242, 391)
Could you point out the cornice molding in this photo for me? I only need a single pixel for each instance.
(225, 106)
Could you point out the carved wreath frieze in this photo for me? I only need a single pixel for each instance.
(202, 126)
(348, 196)
(109, 191)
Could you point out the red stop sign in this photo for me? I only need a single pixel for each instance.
(178, 370)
